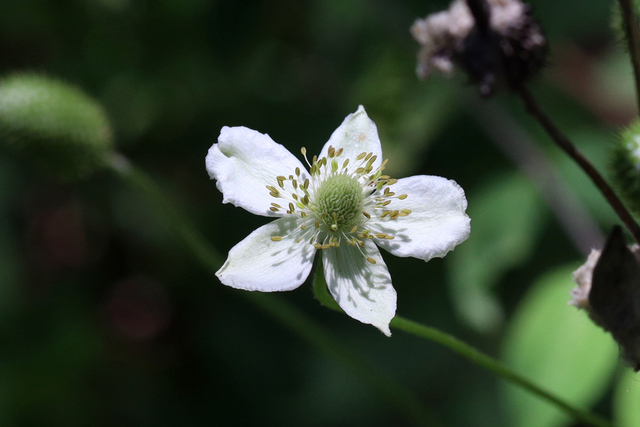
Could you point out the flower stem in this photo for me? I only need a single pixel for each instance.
(567, 146)
(401, 398)
(496, 367)
(630, 21)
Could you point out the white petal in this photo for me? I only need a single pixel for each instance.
(244, 162)
(437, 222)
(357, 134)
(259, 264)
(362, 289)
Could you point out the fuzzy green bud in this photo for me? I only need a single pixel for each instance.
(617, 23)
(625, 166)
(54, 125)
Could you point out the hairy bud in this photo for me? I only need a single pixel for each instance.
(625, 166)
(53, 124)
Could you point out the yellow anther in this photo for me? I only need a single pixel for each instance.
(276, 238)
(402, 196)
(371, 260)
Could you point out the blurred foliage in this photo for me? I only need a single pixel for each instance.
(557, 347)
(105, 320)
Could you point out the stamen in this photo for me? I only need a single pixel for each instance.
(371, 260)
(276, 238)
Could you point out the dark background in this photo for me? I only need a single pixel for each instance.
(105, 319)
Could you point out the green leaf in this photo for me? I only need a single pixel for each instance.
(506, 218)
(626, 410)
(560, 348)
(320, 290)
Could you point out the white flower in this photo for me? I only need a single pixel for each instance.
(343, 206)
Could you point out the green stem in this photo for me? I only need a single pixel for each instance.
(496, 367)
(398, 396)
(630, 21)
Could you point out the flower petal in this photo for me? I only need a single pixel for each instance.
(244, 162)
(436, 224)
(362, 289)
(357, 134)
(258, 263)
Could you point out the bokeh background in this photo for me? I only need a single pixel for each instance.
(106, 319)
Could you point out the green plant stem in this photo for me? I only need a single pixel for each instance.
(630, 21)
(496, 367)
(397, 395)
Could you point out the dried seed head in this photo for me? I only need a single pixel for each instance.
(496, 42)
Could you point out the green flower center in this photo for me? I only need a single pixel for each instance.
(340, 202)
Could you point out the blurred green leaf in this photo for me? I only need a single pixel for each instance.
(507, 216)
(560, 348)
(626, 410)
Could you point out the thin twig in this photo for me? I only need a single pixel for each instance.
(630, 21)
(567, 146)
